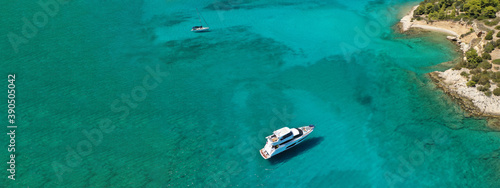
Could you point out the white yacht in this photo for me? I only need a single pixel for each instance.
(283, 139)
(199, 29)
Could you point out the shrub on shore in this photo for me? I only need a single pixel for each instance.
(488, 93)
(464, 74)
(486, 55)
(490, 23)
(468, 33)
(490, 46)
(481, 79)
(494, 43)
(497, 43)
(484, 88)
(489, 35)
(475, 78)
(497, 27)
(496, 92)
(471, 84)
(495, 77)
(496, 61)
(458, 66)
(485, 65)
(475, 71)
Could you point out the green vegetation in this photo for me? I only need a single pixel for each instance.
(495, 77)
(452, 9)
(497, 43)
(483, 80)
(472, 59)
(488, 93)
(491, 23)
(486, 55)
(475, 71)
(490, 46)
(479, 65)
(475, 78)
(489, 35)
(496, 92)
(485, 65)
(471, 84)
(484, 88)
(464, 74)
(468, 33)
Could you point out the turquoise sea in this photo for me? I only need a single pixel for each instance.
(122, 94)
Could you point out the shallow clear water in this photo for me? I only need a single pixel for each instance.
(380, 122)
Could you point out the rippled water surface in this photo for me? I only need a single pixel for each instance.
(266, 64)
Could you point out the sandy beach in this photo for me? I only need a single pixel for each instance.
(448, 27)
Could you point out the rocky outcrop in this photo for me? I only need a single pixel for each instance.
(450, 81)
(469, 98)
(452, 38)
(406, 20)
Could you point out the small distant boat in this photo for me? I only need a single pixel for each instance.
(199, 29)
(283, 139)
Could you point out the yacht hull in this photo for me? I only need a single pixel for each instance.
(271, 150)
(204, 29)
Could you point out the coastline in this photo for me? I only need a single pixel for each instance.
(441, 79)
(454, 29)
(407, 24)
(450, 81)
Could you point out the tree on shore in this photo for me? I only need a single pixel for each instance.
(453, 12)
(489, 12)
(439, 9)
(473, 59)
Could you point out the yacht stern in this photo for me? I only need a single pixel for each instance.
(264, 154)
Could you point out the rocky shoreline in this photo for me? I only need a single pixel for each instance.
(450, 81)
(465, 102)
